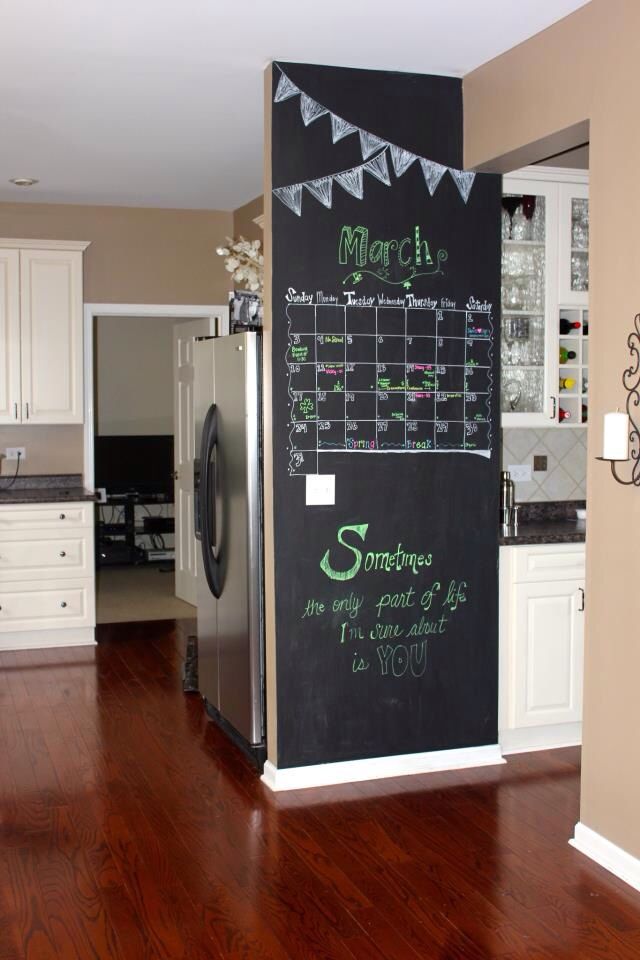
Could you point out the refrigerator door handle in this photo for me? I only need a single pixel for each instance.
(207, 498)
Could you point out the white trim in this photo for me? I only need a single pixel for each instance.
(91, 310)
(548, 173)
(352, 771)
(44, 639)
(607, 854)
(551, 737)
(16, 244)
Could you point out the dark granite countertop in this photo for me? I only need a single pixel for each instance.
(553, 522)
(53, 488)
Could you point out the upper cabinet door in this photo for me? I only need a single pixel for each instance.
(573, 240)
(529, 281)
(51, 320)
(9, 336)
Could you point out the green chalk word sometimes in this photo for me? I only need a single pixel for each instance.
(387, 561)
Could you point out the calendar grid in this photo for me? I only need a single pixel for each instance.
(385, 379)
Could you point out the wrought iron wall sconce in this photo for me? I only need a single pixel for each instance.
(621, 432)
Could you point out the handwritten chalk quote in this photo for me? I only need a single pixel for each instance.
(368, 626)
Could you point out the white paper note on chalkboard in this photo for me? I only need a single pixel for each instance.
(321, 489)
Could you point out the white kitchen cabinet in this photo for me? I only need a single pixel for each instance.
(541, 645)
(41, 332)
(47, 579)
(544, 277)
(9, 336)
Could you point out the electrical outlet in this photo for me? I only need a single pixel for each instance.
(520, 472)
(539, 463)
(12, 453)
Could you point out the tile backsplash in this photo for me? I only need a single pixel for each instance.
(566, 453)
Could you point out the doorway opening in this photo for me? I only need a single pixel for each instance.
(138, 453)
(544, 399)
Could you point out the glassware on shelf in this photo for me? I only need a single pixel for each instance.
(579, 244)
(520, 225)
(506, 225)
(579, 223)
(579, 271)
(510, 203)
(523, 391)
(538, 221)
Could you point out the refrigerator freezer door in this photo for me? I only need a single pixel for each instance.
(208, 665)
(239, 605)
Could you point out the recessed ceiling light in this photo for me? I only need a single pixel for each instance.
(24, 181)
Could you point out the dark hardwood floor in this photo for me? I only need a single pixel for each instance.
(131, 829)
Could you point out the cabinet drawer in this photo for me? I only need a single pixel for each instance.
(45, 516)
(45, 606)
(561, 561)
(46, 557)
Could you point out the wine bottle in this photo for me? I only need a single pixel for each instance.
(585, 328)
(568, 326)
(563, 414)
(566, 354)
(585, 413)
(567, 383)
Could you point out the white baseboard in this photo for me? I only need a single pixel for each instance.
(352, 771)
(46, 639)
(548, 737)
(607, 854)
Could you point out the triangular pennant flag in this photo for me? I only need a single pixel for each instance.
(464, 181)
(402, 159)
(340, 128)
(322, 190)
(369, 143)
(291, 197)
(286, 89)
(310, 110)
(351, 181)
(378, 167)
(433, 173)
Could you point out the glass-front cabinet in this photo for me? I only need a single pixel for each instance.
(574, 243)
(545, 224)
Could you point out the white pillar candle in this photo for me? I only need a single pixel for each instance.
(616, 436)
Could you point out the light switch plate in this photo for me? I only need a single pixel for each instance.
(520, 472)
(321, 489)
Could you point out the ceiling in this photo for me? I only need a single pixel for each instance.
(159, 102)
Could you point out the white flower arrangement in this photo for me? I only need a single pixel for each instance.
(244, 262)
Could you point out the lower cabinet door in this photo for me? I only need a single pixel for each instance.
(549, 649)
(47, 605)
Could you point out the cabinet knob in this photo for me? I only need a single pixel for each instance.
(63, 516)
(63, 553)
(63, 603)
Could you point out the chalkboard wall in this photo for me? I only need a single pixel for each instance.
(385, 318)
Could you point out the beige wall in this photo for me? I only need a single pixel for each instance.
(48, 449)
(586, 68)
(243, 218)
(134, 375)
(137, 254)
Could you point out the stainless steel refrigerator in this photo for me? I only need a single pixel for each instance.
(228, 522)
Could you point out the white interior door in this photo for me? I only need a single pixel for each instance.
(184, 335)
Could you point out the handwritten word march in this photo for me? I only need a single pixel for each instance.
(372, 626)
